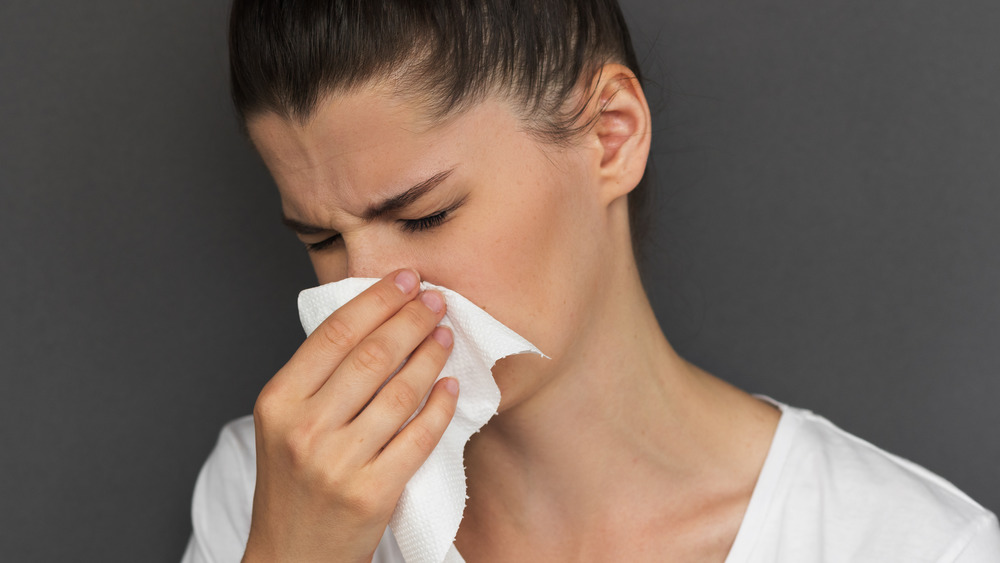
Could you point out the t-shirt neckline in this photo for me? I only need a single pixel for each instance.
(767, 482)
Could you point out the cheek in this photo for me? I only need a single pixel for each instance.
(329, 266)
(516, 261)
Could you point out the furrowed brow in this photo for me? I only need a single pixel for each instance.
(300, 227)
(380, 209)
(406, 198)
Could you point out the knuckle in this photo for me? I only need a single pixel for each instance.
(267, 407)
(415, 318)
(403, 398)
(352, 492)
(383, 298)
(332, 484)
(428, 360)
(338, 333)
(374, 356)
(363, 499)
(300, 444)
(422, 438)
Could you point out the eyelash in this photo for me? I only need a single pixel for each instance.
(408, 225)
(424, 223)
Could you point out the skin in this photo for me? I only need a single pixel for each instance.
(616, 448)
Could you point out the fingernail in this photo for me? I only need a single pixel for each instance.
(443, 336)
(433, 300)
(406, 281)
(451, 385)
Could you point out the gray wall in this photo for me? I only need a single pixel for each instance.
(825, 232)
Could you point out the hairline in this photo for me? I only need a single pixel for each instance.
(394, 83)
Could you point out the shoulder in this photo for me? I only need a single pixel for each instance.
(829, 488)
(236, 441)
(223, 501)
(223, 496)
(860, 477)
(230, 469)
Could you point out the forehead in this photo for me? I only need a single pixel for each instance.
(360, 146)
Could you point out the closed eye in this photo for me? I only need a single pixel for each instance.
(408, 225)
(325, 243)
(424, 223)
(430, 221)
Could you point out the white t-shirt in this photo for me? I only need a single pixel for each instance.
(822, 495)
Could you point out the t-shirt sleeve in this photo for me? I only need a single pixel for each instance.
(984, 545)
(223, 498)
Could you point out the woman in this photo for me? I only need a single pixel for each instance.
(496, 148)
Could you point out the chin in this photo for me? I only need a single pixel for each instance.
(518, 377)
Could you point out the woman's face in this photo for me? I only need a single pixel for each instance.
(475, 204)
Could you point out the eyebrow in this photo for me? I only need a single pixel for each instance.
(380, 209)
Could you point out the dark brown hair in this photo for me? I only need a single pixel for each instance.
(287, 55)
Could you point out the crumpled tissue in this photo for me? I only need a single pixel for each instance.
(428, 514)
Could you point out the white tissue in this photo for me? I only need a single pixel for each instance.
(427, 516)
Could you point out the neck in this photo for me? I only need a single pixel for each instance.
(623, 415)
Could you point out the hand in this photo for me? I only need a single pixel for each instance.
(331, 459)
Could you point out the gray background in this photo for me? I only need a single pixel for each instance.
(825, 232)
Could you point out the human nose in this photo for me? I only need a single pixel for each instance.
(375, 259)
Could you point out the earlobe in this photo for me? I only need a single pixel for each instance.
(622, 130)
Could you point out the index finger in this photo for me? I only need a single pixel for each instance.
(328, 345)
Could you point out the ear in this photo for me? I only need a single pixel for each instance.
(621, 132)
